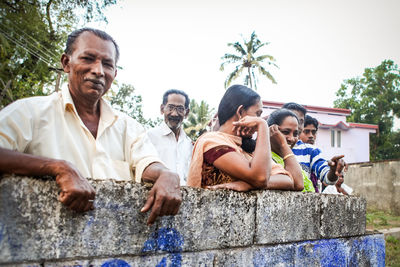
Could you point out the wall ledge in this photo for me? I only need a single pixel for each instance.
(35, 227)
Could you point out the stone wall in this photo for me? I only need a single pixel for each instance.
(378, 182)
(212, 228)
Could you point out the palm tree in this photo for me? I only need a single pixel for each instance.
(198, 119)
(247, 60)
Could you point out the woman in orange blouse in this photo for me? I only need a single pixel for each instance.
(229, 158)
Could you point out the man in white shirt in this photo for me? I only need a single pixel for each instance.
(173, 145)
(75, 134)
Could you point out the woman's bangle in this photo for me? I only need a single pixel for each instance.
(288, 156)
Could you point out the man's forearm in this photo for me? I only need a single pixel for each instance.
(14, 162)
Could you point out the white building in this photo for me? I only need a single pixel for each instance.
(336, 136)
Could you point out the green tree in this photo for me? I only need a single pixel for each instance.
(375, 98)
(198, 119)
(32, 37)
(246, 60)
(125, 100)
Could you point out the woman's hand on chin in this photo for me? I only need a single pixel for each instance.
(247, 126)
(278, 140)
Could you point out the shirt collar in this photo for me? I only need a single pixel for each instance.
(165, 130)
(107, 114)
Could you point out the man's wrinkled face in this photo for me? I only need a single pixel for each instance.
(91, 67)
(174, 111)
(309, 134)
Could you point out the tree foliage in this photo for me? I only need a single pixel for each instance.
(125, 100)
(198, 119)
(246, 59)
(32, 37)
(375, 98)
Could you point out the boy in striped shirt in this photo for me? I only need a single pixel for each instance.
(309, 156)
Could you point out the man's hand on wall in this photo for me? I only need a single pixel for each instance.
(165, 196)
(76, 192)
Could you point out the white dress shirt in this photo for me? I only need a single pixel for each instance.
(50, 126)
(175, 154)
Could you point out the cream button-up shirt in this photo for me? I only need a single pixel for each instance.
(49, 126)
(175, 154)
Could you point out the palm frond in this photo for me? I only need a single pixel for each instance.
(261, 58)
(266, 73)
(228, 59)
(238, 47)
(231, 57)
(236, 73)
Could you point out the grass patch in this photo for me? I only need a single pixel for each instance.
(378, 219)
(392, 251)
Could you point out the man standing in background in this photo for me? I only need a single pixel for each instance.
(174, 147)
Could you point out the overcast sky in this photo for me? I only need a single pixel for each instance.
(317, 44)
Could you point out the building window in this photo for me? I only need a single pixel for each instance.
(332, 138)
(339, 138)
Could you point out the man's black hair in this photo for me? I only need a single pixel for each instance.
(69, 46)
(310, 120)
(178, 92)
(295, 106)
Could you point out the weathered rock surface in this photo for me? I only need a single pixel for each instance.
(213, 228)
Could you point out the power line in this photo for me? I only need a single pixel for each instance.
(32, 50)
(32, 38)
(17, 42)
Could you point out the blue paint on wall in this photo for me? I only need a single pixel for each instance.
(1, 232)
(168, 240)
(369, 250)
(273, 256)
(325, 252)
(115, 263)
(162, 263)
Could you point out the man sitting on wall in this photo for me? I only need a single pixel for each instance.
(75, 134)
(309, 156)
(173, 145)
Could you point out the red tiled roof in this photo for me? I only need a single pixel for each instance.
(363, 125)
(351, 125)
(310, 108)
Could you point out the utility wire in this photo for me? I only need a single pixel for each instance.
(17, 42)
(30, 37)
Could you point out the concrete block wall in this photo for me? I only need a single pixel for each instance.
(213, 228)
(378, 182)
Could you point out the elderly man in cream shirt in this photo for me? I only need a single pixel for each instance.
(75, 134)
(173, 145)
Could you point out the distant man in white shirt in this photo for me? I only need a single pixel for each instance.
(75, 134)
(173, 145)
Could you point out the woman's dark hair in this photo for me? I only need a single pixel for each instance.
(235, 96)
(279, 115)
